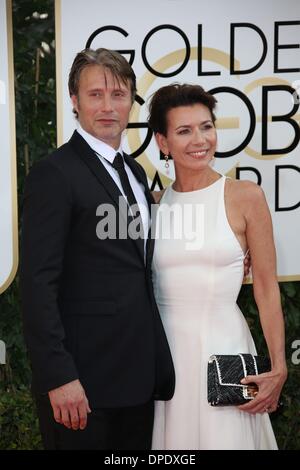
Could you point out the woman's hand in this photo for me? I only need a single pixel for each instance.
(269, 388)
(247, 264)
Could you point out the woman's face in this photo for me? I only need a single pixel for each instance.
(191, 137)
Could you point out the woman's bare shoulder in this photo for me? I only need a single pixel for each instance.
(157, 195)
(244, 190)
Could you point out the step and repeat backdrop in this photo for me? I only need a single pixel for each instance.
(246, 54)
(8, 185)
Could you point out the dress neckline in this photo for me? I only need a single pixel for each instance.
(197, 190)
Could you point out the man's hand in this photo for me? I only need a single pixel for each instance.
(247, 264)
(70, 405)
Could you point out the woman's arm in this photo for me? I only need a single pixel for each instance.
(259, 234)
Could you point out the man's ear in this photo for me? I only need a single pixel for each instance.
(75, 102)
(162, 143)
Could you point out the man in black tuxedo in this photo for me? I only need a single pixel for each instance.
(98, 350)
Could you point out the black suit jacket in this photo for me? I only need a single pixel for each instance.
(88, 305)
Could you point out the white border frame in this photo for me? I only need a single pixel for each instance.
(12, 146)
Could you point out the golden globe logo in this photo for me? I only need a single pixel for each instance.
(264, 107)
(249, 66)
(256, 111)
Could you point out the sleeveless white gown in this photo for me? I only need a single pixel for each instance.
(196, 289)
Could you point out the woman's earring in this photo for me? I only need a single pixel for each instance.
(167, 163)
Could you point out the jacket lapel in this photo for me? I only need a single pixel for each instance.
(141, 177)
(88, 156)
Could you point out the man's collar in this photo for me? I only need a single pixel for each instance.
(98, 146)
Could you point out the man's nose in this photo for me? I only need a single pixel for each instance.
(107, 103)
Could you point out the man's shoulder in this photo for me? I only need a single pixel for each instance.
(61, 158)
(61, 155)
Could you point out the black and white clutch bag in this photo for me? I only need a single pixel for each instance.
(224, 378)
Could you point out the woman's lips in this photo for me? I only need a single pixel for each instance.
(198, 154)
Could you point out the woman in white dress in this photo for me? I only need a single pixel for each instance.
(205, 224)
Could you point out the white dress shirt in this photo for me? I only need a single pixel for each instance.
(106, 155)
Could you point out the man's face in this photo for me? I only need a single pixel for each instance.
(103, 104)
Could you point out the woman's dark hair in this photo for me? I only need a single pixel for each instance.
(172, 96)
(108, 59)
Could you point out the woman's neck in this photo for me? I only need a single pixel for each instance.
(192, 180)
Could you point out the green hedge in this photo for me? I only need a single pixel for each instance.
(36, 137)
